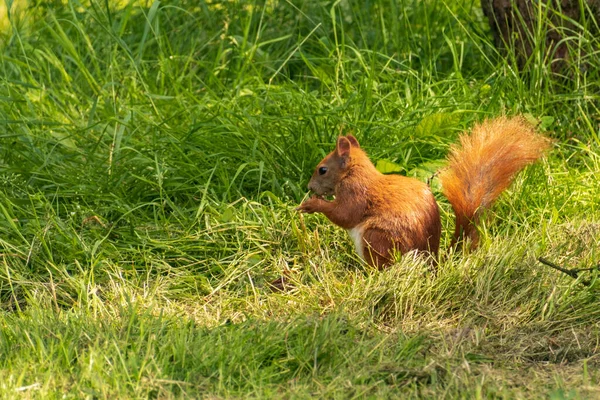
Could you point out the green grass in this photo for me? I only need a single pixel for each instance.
(152, 155)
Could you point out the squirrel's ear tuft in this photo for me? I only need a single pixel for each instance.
(343, 147)
(353, 141)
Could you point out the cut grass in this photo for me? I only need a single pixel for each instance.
(150, 162)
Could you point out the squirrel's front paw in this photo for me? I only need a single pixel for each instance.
(310, 206)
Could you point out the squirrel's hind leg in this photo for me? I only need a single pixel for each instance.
(377, 248)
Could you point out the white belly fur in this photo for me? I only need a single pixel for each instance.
(356, 234)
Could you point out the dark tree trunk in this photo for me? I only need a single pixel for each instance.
(515, 23)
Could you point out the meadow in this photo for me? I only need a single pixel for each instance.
(152, 155)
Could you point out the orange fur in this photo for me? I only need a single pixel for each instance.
(384, 213)
(484, 165)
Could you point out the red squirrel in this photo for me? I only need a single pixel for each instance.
(383, 213)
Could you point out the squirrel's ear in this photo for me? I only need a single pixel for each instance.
(343, 147)
(353, 141)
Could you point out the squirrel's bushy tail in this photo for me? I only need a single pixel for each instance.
(484, 164)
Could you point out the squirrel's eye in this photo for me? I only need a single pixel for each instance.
(322, 170)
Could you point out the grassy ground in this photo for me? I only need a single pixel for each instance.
(152, 154)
